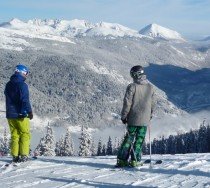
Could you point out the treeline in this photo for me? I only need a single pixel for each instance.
(195, 141)
(65, 146)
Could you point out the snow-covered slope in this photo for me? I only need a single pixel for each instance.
(189, 170)
(116, 30)
(157, 31)
(13, 34)
(70, 28)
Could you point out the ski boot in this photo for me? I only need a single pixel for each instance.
(121, 163)
(134, 163)
(24, 158)
(15, 159)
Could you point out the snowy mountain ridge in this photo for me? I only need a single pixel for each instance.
(157, 31)
(71, 28)
(76, 27)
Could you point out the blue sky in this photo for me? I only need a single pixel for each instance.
(188, 17)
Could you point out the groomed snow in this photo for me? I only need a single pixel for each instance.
(186, 171)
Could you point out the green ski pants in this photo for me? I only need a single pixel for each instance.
(20, 136)
(135, 136)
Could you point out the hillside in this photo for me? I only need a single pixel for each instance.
(79, 79)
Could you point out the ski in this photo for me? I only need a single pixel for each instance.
(12, 165)
(148, 161)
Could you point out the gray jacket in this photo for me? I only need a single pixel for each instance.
(138, 103)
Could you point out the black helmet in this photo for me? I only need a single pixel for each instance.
(136, 72)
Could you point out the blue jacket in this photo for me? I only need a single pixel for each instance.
(17, 97)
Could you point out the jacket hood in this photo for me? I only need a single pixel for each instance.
(142, 80)
(17, 78)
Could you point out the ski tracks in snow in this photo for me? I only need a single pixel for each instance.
(192, 170)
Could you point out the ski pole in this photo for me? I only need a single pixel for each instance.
(150, 147)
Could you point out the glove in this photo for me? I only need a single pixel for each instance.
(124, 120)
(30, 115)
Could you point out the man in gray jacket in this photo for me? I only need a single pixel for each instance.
(136, 113)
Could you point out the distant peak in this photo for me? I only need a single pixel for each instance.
(15, 21)
(156, 31)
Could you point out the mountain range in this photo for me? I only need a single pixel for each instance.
(80, 70)
(77, 27)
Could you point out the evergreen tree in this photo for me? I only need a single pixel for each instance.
(202, 138)
(93, 149)
(99, 150)
(103, 150)
(109, 147)
(59, 148)
(208, 138)
(145, 148)
(171, 145)
(46, 146)
(116, 146)
(85, 143)
(40, 148)
(180, 144)
(68, 144)
(154, 146)
(4, 145)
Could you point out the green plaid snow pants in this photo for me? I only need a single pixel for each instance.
(135, 135)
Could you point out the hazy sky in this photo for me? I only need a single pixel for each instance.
(188, 17)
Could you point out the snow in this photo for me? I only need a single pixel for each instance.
(9, 41)
(13, 34)
(157, 31)
(58, 30)
(113, 29)
(178, 51)
(100, 69)
(181, 170)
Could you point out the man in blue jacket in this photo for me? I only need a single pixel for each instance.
(18, 113)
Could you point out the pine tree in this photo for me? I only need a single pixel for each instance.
(202, 138)
(171, 145)
(145, 148)
(4, 147)
(93, 149)
(68, 144)
(46, 146)
(103, 150)
(59, 148)
(85, 143)
(208, 138)
(116, 146)
(109, 147)
(40, 148)
(154, 146)
(99, 150)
